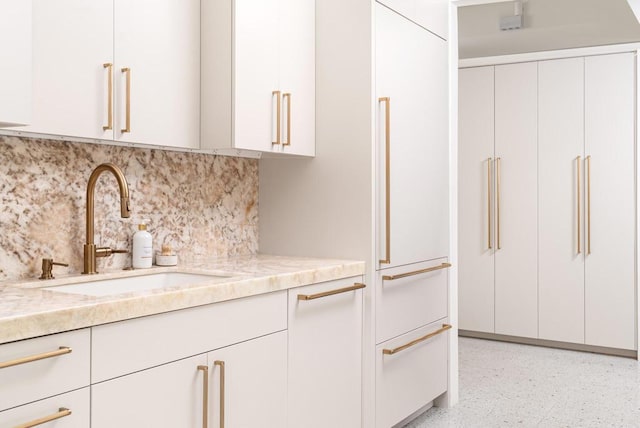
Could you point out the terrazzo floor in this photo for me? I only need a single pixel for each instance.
(510, 385)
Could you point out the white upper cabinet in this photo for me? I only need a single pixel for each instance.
(80, 50)
(15, 68)
(159, 44)
(430, 14)
(72, 60)
(258, 75)
(412, 136)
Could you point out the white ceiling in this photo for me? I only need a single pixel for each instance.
(548, 25)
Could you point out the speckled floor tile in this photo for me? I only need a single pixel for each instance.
(510, 385)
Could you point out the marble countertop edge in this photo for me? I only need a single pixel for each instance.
(27, 310)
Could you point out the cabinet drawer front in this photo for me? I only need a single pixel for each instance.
(133, 345)
(404, 303)
(45, 374)
(412, 377)
(76, 402)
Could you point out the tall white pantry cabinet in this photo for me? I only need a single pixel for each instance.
(378, 190)
(547, 200)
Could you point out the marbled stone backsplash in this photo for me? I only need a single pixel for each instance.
(201, 205)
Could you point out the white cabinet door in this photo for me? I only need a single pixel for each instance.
(561, 199)
(516, 274)
(609, 142)
(431, 14)
(254, 389)
(325, 357)
(411, 71)
(256, 75)
(166, 396)
(298, 76)
(15, 69)
(70, 410)
(72, 42)
(475, 202)
(160, 45)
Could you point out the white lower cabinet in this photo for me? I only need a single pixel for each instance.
(69, 410)
(54, 364)
(411, 371)
(248, 384)
(325, 354)
(170, 395)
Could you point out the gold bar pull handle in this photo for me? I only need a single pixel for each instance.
(61, 413)
(287, 96)
(61, 351)
(498, 202)
(277, 95)
(205, 395)
(387, 186)
(127, 127)
(354, 287)
(221, 365)
(444, 328)
(578, 160)
(588, 162)
(109, 97)
(415, 272)
(489, 202)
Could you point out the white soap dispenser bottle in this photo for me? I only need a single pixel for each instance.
(142, 247)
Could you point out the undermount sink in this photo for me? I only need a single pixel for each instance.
(153, 281)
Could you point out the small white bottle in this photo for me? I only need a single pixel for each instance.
(142, 247)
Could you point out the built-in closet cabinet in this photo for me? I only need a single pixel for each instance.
(117, 70)
(566, 205)
(498, 200)
(587, 200)
(258, 75)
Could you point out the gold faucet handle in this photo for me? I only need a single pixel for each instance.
(47, 268)
(107, 251)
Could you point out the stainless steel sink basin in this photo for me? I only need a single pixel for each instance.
(153, 281)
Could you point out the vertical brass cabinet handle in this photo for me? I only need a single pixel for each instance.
(588, 162)
(578, 160)
(277, 95)
(489, 202)
(205, 395)
(221, 365)
(61, 351)
(498, 202)
(109, 97)
(127, 127)
(61, 413)
(287, 142)
(356, 286)
(387, 139)
(444, 328)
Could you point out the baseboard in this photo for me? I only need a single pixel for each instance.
(550, 343)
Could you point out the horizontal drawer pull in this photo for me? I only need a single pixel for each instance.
(444, 328)
(356, 286)
(63, 350)
(62, 412)
(416, 272)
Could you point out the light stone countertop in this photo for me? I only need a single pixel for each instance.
(27, 310)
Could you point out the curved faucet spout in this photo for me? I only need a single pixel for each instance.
(90, 249)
